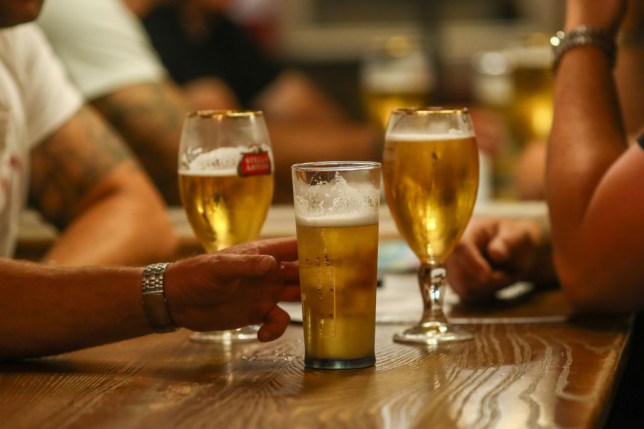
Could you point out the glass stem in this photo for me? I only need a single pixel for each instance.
(432, 281)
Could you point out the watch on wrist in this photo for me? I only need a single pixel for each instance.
(154, 300)
(562, 42)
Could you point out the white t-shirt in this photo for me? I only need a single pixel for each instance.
(35, 100)
(102, 44)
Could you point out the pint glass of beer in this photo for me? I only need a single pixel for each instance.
(336, 214)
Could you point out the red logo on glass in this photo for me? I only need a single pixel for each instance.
(255, 162)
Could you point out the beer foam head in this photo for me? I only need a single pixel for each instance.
(220, 161)
(336, 203)
(429, 124)
(340, 220)
(452, 134)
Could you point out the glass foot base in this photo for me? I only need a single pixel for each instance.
(317, 363)
(432, 334)
(245, 334)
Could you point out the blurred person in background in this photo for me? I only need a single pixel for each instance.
(219, 62)
(80, 176)
(109, 57)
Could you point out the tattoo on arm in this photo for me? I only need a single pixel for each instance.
(71, 162)
(159, 103)
(149, 116)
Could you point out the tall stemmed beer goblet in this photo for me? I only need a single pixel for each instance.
(226, 185)
(431, 171)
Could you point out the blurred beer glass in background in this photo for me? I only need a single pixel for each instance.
(336, 215)
(395, 72)
(533, 89)
(516, 82)
(492, 90)
(226, 185)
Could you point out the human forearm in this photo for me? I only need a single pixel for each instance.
(587, 132)
(84, 178)
(126, 225)
(591, 174)
(49, 309)
(586, 136)
(54, 309)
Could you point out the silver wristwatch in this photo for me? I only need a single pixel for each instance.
(155, 304)
(562, 42)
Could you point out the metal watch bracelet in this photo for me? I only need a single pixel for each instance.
(155, 304)
(562, 42)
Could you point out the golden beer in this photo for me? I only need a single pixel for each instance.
(431, 183)
(224, 208)
(532, 107)
(532, 104)
(338, 276)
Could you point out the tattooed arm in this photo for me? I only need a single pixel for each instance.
(149, 116)
(86, 182)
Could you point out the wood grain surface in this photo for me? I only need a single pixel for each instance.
(513, 375)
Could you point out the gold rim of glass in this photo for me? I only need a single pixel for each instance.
(336, 165)
(218, 114)
(430, 110)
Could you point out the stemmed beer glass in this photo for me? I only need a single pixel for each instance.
(226, 185)
(431, 171)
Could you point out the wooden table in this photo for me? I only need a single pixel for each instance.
(531, 365)
(513, 375)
